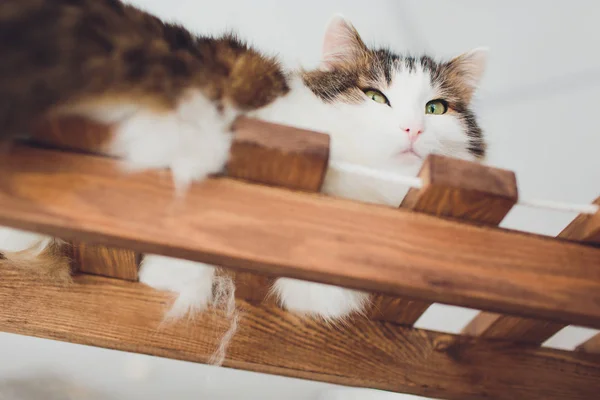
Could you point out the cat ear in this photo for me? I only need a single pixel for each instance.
(469, 68)
(341, 43)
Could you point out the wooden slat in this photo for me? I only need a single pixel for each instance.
(81, 134)
(591, 346)
(464, 190)
(459, 189)
(395, 309)
(261, 152)
(278, 155)
(304, 236)
(127, 316)
(585, 228)
(106, 261)
(517, 329)
(73, 133)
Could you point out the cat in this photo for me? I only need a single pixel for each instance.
(172, 97)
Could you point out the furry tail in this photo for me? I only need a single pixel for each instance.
(46, 258)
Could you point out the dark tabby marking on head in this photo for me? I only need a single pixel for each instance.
(364, 68)
(54, 53)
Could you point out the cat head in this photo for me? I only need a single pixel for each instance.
(399, 108)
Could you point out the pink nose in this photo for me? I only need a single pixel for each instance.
(414, 131)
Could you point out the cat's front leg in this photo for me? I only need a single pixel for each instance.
(192, 140)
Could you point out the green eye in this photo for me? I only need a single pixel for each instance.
(377, 96)
(436, 107)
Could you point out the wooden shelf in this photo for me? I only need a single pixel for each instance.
(443, 246)
(280, 232)
(127, 316)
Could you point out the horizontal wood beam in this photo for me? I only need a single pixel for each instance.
(127, 316)
(586, 229)
(461, 190)
(305, 236)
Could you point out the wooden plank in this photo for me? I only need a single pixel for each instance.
(278, 155)
(507, 327)
(261, 152)
(591, 345)
(73, 133)
(127, 316)
(81, 134)
(585, 229)
(106, 261)
(398, 310)
(304, 236)
(463, 190)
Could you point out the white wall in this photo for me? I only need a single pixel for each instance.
(539, 105)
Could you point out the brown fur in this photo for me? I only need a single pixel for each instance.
(348, 74)
(57, 53)
(60, 55)
(51, 263)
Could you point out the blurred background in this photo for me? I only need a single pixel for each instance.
(539, 105)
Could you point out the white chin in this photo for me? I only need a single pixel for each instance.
(408, 159)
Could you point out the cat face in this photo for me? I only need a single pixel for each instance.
(397, 109)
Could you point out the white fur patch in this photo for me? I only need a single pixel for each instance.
(193, 141)
(12, 240)
(317, 299)
(191, 281)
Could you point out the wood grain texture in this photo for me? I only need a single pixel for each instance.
(106, 261)
(507, 327)
(527, 330)
(398, 310)
(462, 190)
(73, 133)
(585, 228)
(127, 316)
(251, 287)
(278, 155)
(305, 236)
(261, 152)
(591, 346)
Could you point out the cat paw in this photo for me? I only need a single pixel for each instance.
(193, 140)
(191, 281)
(319, 300)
